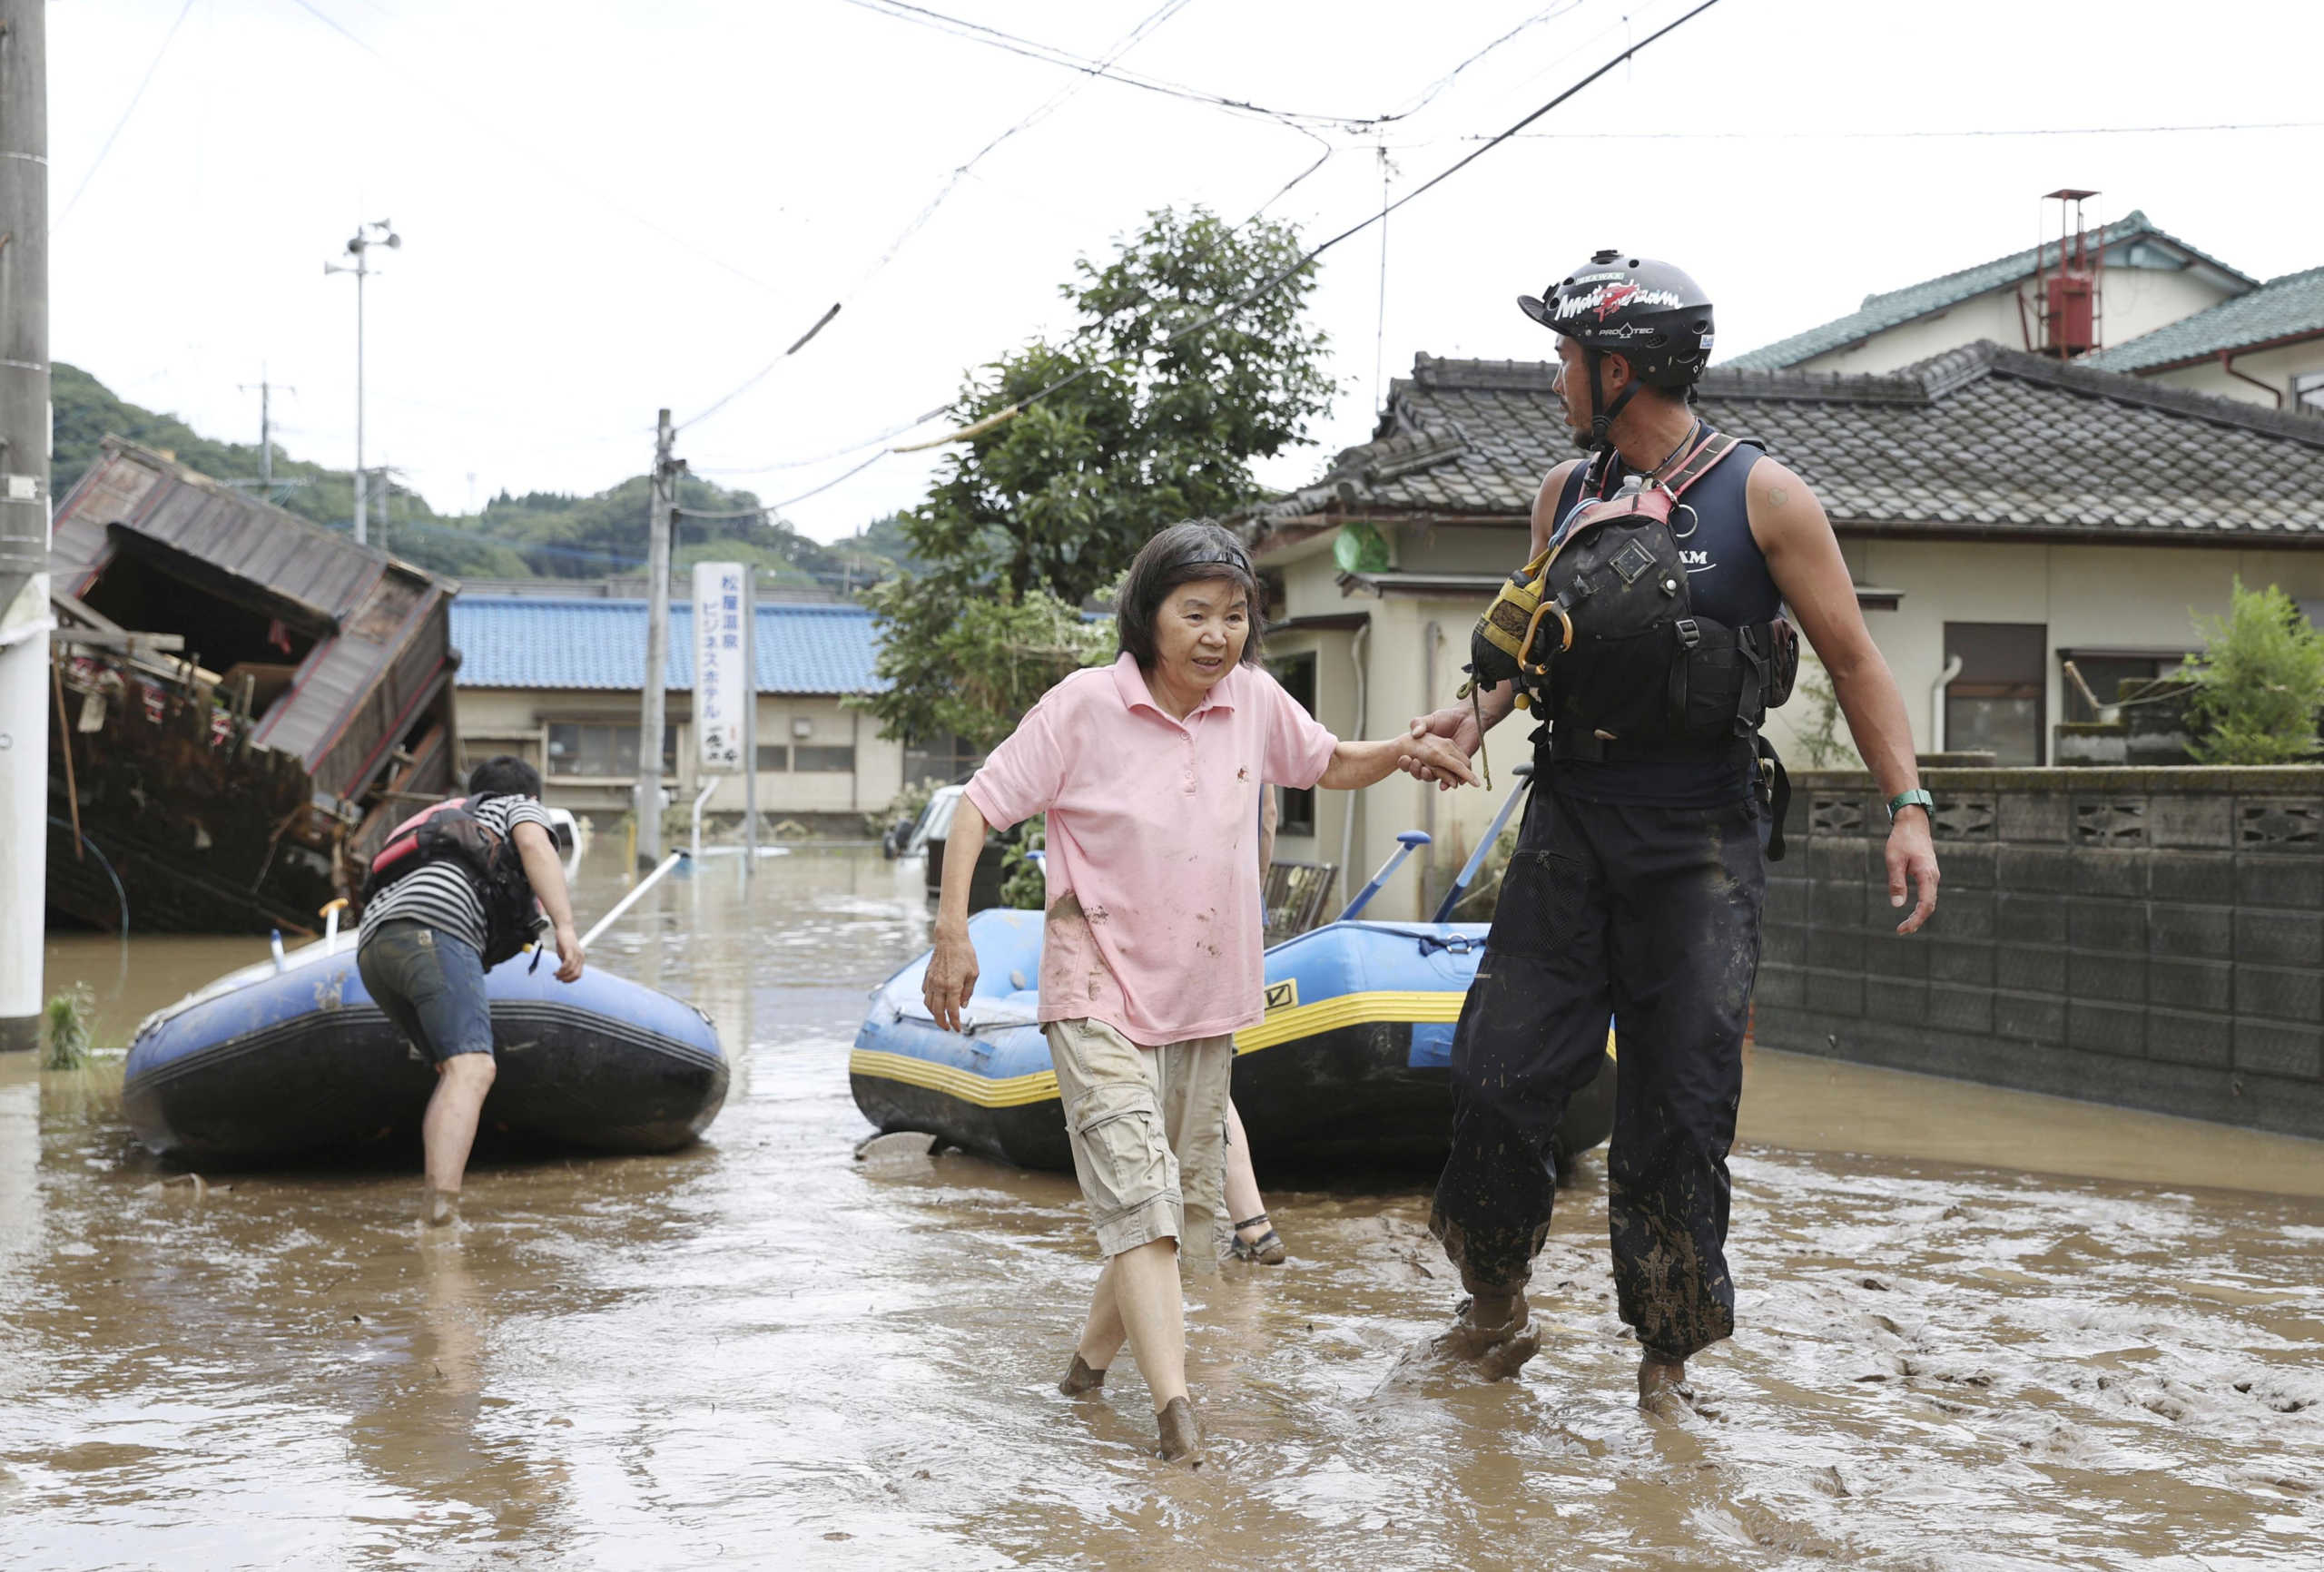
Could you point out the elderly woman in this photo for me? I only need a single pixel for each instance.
(1149, 770)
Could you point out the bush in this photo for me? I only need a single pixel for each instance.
(2258, 683)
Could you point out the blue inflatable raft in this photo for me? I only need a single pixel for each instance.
(290, 1058)
(1351, 1069)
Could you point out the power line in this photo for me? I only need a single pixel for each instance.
(134, 99)
(1169, 9)
(1897, 135)
(1307, 260)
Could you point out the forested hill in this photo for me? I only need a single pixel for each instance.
(549, 534)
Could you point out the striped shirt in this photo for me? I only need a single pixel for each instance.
(439, 894)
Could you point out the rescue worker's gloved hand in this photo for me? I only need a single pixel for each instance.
(1912, 855)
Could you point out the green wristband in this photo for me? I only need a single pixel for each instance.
(1916, 797)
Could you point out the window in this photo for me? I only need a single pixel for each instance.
(774, 759)
(2307, 392)
(1298, 676)
(578, 748)
(808, 760)
(1995, 705)
(2107, 670)
(944, 757)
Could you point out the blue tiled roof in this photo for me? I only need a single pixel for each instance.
(2285, 307)
(1880, 312)
(529, 642)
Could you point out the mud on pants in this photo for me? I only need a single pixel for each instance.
(1650, 915)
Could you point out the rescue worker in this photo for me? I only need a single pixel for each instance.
(1638, 875)
(421, 956)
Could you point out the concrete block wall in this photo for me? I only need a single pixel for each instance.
(2152, 937)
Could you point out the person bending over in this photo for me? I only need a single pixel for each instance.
(1637, 882)
(422, 947)
(1149, 770)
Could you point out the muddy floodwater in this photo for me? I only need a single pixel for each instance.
(1977, 1331)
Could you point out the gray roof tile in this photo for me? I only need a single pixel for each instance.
(1978, 437)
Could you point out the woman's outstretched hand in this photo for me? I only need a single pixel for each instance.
(1429, 756)
(952, 977)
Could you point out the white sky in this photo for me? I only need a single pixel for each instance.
(608, 207)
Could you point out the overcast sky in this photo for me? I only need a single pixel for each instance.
(608, 207)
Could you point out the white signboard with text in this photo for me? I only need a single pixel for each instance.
(721, 675)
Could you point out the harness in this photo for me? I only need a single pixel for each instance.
(1600, 633)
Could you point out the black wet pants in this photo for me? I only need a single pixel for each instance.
(1650, 915)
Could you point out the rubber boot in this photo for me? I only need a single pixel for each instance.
(1081, 1378)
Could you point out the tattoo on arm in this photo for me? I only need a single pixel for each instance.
(1778, 496)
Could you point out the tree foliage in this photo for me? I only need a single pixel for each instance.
(1027, 522)
(2259, 681)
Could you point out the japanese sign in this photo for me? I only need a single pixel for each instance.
(721, 678)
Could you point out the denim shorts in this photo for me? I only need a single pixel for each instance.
(432, 986)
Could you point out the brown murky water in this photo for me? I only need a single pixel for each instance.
(763, 1352)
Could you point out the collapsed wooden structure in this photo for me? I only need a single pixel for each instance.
(245, 703)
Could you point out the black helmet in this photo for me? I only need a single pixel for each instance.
(1649, 312)
(1652, 314)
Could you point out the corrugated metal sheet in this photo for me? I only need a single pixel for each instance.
(524, 642)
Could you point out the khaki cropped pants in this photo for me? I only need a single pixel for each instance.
(1148, 1132)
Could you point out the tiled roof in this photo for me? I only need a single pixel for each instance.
(1978, 440)
(2291, 307)
(522, 641)
(1881, 313)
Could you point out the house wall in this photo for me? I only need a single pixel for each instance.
(2277, 368)
(2136, 301)
(2121, 596)
(2084, 596)
(516, 721)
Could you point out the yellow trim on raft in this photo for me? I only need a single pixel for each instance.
(1283, 1026)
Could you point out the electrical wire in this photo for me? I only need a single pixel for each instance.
(1897, 136)
(1031, 49)
(120, 125)
(1306, 259)
(1137, 34)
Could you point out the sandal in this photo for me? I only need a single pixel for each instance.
(1267, 1249)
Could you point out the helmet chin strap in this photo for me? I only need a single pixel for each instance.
(1599, 436)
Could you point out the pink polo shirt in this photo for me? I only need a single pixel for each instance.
(1153, 826)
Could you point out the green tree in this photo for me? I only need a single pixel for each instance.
(1025, 522)
(2258, 683)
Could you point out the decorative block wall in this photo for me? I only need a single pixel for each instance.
(2146, 937)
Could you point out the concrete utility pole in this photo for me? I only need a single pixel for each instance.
(661, 501)
(381, 233)
(24, 619)
(266, 419)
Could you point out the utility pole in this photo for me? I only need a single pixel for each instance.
(24, 619)
(266, 422)
(381, 233)
(661, 502)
